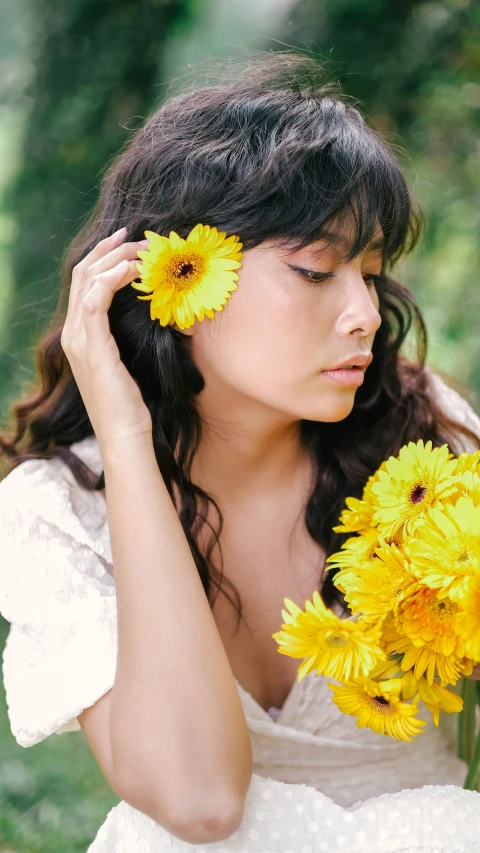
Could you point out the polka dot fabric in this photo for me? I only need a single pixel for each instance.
(281, 818)
(319, 782)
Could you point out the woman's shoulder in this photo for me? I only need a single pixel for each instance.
(46, 490)
(57, 591)
(455, 407)
(41, 470)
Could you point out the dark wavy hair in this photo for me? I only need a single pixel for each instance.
(268, 150)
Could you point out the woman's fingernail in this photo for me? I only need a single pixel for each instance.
(121, 231)
(143, 242)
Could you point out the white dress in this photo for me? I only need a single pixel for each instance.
(319, 782)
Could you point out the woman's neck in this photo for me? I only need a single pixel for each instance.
(236, 463)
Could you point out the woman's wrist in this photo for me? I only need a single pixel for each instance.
(119, 450)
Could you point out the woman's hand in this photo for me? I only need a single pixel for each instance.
(112, 398)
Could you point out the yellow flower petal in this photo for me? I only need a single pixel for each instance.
(377, 585)
(446, 553)
(190, 278)
(332, 646)
(419, 478)
(376, 709)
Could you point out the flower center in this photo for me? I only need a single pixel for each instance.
(436, 614)
(463, 557)
(382, 705)
(334, 641)
(185, 270)
(418, 493)
(443, 610)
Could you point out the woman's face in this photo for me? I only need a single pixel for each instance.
(280, 330)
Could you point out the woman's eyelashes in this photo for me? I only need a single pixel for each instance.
(314, 277)
(372, 278)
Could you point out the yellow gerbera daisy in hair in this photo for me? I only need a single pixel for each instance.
(377, 586)
(437, 698)
(378, 706)
(446, 554)
(421, 655)
(334, 647)
(191, 278)
(419, 478)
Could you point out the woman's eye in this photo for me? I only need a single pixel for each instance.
(314, 277)
(374, 279)
(317, 277)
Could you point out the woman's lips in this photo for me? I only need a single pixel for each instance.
(345, 376)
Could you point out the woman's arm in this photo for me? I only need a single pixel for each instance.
(178, 734)
(176, 723)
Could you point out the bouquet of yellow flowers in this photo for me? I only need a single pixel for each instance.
(410, 574)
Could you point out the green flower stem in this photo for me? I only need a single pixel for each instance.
(471, 777)
(466, 722)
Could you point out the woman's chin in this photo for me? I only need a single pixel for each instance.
(329, 414)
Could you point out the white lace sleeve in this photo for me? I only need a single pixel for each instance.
(58, 593)
(458, 409)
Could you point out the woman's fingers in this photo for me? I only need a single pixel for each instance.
(79, 272)
(127, 251)
(112, 398)
(100, 293)
(81, 287)
(102, 248)
(94, 312)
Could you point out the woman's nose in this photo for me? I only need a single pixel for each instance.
(360, 313)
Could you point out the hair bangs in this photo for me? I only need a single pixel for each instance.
(348, 192)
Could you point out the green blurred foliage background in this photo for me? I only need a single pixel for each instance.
(78, 76)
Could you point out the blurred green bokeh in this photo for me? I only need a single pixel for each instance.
(78, 76)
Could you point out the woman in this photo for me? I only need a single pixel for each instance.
(204, 442)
